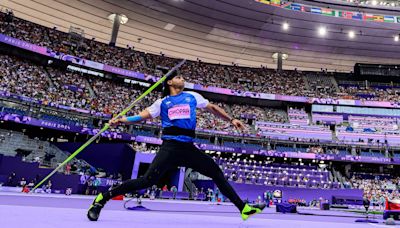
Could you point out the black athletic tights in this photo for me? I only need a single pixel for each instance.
(171, 155)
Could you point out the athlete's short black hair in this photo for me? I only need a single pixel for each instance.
(166, 90)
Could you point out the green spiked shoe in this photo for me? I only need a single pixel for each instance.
(95, 209)
(251, 210)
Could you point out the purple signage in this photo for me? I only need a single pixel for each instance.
(22, 44)
(124, 72)
(291, 98)
(105, 182)
(219, 148)
(147, 139)
(323, 101)
(300, 155)
(248, 116)
(83, 62)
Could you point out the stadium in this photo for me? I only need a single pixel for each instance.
(212, 113)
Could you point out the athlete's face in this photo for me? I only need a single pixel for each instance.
(177, 82)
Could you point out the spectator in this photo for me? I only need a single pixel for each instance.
(48, 187)
(174, 191)
(89, 187)
(68, 169)
(22, 182)
(11, 179)
(96, 184)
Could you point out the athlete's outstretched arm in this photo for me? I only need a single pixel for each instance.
(216, 110)
(150, 112)
(143, 115)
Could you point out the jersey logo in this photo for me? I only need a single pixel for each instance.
(181, 111)
(187, 99)
(168, 104)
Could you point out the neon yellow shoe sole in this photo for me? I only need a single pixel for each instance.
(251, 210)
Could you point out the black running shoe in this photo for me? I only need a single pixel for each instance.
(95, 209)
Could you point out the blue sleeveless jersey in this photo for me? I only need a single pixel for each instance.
(178, 111)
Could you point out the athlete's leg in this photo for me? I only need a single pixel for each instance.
(204, 164)
(163, 161)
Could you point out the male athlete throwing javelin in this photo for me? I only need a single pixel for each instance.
(178, 116)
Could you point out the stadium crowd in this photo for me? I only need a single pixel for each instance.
(377, 190)
(232, 77)
(57, 87)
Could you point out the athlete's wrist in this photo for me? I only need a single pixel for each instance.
(136, 118)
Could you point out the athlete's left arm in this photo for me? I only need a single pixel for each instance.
(216, 110)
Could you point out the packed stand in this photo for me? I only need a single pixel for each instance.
(377, 190)
(233, 77)
(70, 89)
(368, 93)
(207, 120)
(247, 112)
(274, 115)
(244, 79)
(111, 97)
(284, 82)
(321, 84)
(22, 78)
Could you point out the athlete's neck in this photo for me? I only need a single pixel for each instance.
(175, 91)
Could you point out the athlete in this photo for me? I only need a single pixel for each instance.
(177, 110)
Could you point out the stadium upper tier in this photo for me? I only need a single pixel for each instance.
(295, 83)
(246, 33)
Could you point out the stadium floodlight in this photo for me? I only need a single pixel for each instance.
(123, 19)
(285, 26)
(374, 2)
(352, 34)
(322, 31)
(396, 38)
(276, 55)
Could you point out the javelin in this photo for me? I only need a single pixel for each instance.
(106, 126)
